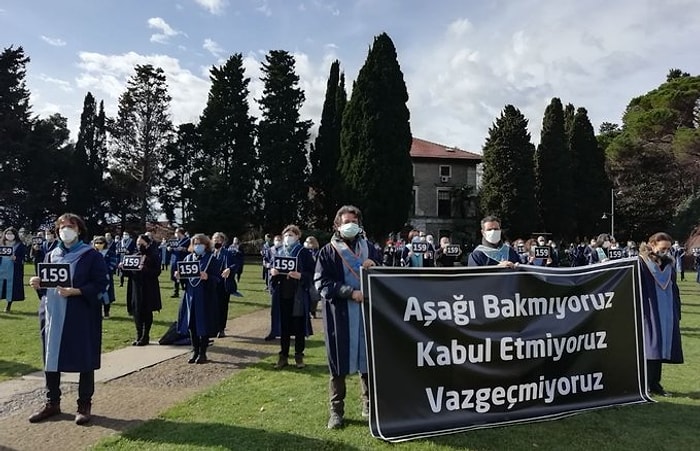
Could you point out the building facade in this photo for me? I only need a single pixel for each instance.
(444, 191)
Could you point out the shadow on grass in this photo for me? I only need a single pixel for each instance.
(160, 432)
(9, 369)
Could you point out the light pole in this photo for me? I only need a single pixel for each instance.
(612, 213)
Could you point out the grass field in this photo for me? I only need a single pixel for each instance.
(20, 352)
(263, 409)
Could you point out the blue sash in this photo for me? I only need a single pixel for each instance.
(664, 303)
(352, 262)
(7, 273)
(499, 254)
(56, 305)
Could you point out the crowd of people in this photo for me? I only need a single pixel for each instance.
(299, 276)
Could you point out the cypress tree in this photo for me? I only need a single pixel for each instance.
(227, 133)
(326, 151)
(508, 179)
(282, 137)
(375, 163)
(591, 185)
(553, 174)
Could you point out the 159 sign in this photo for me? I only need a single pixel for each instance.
(131, 262)
(285, 264)
(6, 251)
(54, 275)
(188, 269)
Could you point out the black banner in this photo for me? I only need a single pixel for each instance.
(454, 349)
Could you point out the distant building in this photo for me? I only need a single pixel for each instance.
(444, 191)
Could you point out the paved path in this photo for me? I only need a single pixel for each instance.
(134, 384)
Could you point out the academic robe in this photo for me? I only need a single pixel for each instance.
(143, 287)
(479, 258)
(661, 316)
(72, 327)
(111, 261)
(178, 254)
(329, 278)
(306, 267)
(12, 274)
(200, 298)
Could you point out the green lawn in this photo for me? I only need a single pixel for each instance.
(260, 408)
(20, 352)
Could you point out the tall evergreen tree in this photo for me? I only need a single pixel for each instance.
(15, 126)
(141, 132)
(180, 176)
(591, 191)
(227, 134)
(375, 162)
(326, 151)
(507, 189)
(282, 137)
(553, 174)
(569, 114)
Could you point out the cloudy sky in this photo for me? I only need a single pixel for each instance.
(463, 60)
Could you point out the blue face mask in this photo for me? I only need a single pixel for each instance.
(199, 249)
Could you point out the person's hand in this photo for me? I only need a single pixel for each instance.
(506, 264)
(367, 263)
(357, 296)
(177, 275)
(294, 275)
(203, 275)
(274, 272)
(35, 282)
(226, 273)
(67, 291)
(14, 258)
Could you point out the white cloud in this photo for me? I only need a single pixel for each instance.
(62, 84)
(56, 42)
(213, 6)
(107, 75)
(212, 47)
(166, 31)
(264, 8)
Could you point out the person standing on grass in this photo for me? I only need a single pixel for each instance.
(177, 254)
(12, 268)
(290, 290)
(143, 289)
(111, 260)
(198, 314)
(337, 279)
(661, 306)
(275, 329)
(72, 319)
(227, 283)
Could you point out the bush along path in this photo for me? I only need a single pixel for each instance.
(130, 400)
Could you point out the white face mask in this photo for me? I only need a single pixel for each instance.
(349, 230)
(307, 245)
(68, 235)
(277, 243)
(290, 240)
(10, 236)
(492, 236)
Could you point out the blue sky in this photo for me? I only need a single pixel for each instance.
(463, 60)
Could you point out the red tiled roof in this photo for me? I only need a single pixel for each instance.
(421, 148)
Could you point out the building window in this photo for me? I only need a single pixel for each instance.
(444, 204)
(445, 171)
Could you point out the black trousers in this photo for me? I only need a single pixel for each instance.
(223, 299)
(291, 325)
(86, 386)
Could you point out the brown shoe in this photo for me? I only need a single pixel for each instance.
(299, 361)
(83, 415)
(282, 362)
(49, 410)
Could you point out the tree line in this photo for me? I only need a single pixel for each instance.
(233, 172)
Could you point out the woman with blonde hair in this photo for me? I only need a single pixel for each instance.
(661, 305)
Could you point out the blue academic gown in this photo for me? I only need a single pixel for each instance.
(12, 274)
(178, 255)
(330, 277)
(306, 264)
(78, 322)
(200, 298)
(479, 258)
(662, 314)
(111, 261)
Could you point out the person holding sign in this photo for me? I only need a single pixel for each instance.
(661, 303)
(291, 275)
(338, 280)
(111, 260)
(492, 251)
(12, 253)
(227, 285)
(178, 249)
(198, 313)
(70, 281)
(126, 246)
(540, 253)
(143, 287)
(447, 254)
(36, 252)
(269, 256)
(418, 252)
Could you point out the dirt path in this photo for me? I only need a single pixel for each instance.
(126, 402)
